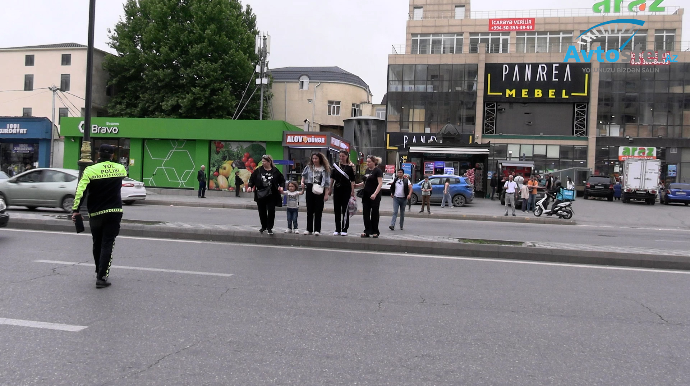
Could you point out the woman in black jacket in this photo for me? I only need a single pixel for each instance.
(267, 184)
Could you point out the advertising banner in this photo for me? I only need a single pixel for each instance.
(228, 158)
(450, 171)
(537, 82)
(22, 148)
(632, 152)
(407, 168)
(672, 171)
(390, 169)
(428, 168)
(522, 24)
(305, 140)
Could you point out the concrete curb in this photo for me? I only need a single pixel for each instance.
(382, 245)
(415, 214)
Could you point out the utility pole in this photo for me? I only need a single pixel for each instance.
(263, 43)
(86, 157)
(52, 129)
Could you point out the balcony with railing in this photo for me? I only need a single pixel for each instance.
(572, 12)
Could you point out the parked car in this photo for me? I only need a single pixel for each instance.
(132, 190)
(599, 186)
(48, 187)
(3, 176)
(675, 192)
(461, 192)
(387, 181)
(4, 217)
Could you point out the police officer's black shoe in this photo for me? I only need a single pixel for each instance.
(102, 283)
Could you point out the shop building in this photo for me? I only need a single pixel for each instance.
(168, 153)
(24, 143)
(503, 77)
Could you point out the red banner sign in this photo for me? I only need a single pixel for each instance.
(315, 140)
(390, 169)
(338, 144)
(502, 25)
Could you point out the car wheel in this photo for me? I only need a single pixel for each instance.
(414, 199)
(686, 204)
(3, 198)
(67, 204)
(459, 200)
(128, 202)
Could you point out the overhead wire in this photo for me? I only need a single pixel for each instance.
(63, 93)
(66, 105)
(24, 97)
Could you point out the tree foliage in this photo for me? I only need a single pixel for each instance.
(183, 59)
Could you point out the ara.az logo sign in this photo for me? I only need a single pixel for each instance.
(634, 6)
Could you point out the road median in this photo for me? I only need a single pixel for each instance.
(450, 247)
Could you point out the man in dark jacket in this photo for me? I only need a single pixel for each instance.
(238, 183)
(102, 181)
(493, 184)
(201, 177)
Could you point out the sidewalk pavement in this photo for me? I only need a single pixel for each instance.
(479, 210)
(390, 243)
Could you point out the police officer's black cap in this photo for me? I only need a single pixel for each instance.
(106, 149)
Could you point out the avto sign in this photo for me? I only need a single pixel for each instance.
(619, 28)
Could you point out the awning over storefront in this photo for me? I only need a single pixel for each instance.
(448, 150)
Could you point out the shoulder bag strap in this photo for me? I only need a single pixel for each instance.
(341, 171)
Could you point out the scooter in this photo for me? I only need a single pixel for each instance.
(564, 210)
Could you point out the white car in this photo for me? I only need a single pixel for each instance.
(132, 190)
(387, 181)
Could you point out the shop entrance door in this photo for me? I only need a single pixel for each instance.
(170, 164)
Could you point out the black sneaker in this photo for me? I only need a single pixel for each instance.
(391, 227)
(262, 230)
(102, 283)
(270, 232)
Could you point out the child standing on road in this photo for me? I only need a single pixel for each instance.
(292, 198)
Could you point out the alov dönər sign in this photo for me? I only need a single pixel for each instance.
(537, 82)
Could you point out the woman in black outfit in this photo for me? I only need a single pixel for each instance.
(317, 172)
(267, 183)
(373, 180)
(342, 186)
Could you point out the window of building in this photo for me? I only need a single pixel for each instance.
(304, 82)
(66, 59)
(418, 13)
(664, 39)
(334, 108)
(29, 82)
(496, 42)
(64, 112)
(356, 110)
(64, 82)
(625, 39)
(28, 60)
(424, 44)
(26, 112)
(381, 113)
(530, 42)
(459, 11)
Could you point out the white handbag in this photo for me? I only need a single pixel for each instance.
(316, 188)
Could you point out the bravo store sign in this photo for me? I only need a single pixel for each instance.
(110, 128)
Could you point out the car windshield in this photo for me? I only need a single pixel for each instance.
(680, 186)
(599, 180)
(3, 176)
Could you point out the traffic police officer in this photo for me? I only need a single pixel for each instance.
(102, 183)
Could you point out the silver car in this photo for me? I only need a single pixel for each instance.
(49, 188)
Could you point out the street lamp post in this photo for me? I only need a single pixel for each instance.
(86, 157)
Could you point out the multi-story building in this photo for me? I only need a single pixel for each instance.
(318, 98)
(501, 78)
(48, 81)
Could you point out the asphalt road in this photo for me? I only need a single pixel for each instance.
(315, 317)
(666, 232)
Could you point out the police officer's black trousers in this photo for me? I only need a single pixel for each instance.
(104, 230)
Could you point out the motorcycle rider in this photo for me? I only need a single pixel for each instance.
(554, 192)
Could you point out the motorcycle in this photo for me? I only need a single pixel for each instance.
(564, 210)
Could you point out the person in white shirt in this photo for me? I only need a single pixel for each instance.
(510, 188)
(401, 190)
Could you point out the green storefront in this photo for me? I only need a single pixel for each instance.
(168, 153)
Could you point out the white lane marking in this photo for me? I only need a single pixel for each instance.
(45, 325)
(137, 268)
(487, 260)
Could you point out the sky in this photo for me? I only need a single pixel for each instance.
(356, 35)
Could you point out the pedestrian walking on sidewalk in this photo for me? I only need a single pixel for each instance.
(292, 200)
(103, 181)
(426, 194)
(267, 184)
(511, 190)
(524, 194)
(446, 194)
(201, 177)
(238, 183)
(317, 178)
(371, 199)
(401, 191)
(343, 188)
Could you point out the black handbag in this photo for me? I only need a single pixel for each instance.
(360, 193)
(263, 193)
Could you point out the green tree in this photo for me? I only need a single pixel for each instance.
(183, 59)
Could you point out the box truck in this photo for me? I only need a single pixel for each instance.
(641, 180)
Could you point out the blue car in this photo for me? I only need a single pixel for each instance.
(676, 193)
(461, 192)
